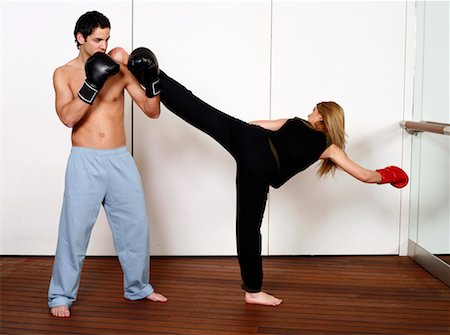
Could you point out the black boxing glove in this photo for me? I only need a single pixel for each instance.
(99, 67)
(143, 64)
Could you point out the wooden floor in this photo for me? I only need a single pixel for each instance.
(321, 295)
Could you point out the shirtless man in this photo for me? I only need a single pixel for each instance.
(90, 99)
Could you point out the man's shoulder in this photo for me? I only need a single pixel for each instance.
(70, 66)
(67, 70)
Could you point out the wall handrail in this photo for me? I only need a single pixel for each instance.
(414, 127)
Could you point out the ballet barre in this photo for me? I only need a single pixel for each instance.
(413, 127)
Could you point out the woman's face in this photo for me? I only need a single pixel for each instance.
(315, 116)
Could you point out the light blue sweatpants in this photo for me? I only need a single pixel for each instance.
(107, 177)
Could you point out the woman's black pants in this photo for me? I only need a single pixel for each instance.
(249, 145)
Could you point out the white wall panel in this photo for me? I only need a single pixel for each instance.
(37, 37)
(351, 53)
(221, 51)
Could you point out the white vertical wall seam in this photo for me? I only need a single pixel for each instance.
(408, 96)
(270, 114)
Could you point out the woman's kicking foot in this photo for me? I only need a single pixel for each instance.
(261, 298)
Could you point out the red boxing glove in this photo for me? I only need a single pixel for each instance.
(393, 175)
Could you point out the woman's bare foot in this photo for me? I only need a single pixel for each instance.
(261, 298)
(60, 311)
(156, 297)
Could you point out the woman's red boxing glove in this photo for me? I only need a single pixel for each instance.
(393, 175)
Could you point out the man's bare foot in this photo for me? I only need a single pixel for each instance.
(261, 298)
(60, 311)
(156, 297)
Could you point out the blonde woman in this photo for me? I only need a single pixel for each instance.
(267, 153)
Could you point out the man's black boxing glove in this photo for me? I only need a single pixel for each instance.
(98, 68)
(143, 64)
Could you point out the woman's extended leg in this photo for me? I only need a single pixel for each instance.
(224, 128)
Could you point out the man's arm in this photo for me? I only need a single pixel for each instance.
(98, 68)
(70, 109)
(149, 105)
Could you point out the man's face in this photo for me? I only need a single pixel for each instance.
(95, 42)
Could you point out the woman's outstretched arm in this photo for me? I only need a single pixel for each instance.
(391, 174)
(340, 158)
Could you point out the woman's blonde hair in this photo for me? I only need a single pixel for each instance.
(333, 126)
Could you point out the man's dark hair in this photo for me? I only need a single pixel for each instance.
(88, 22)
